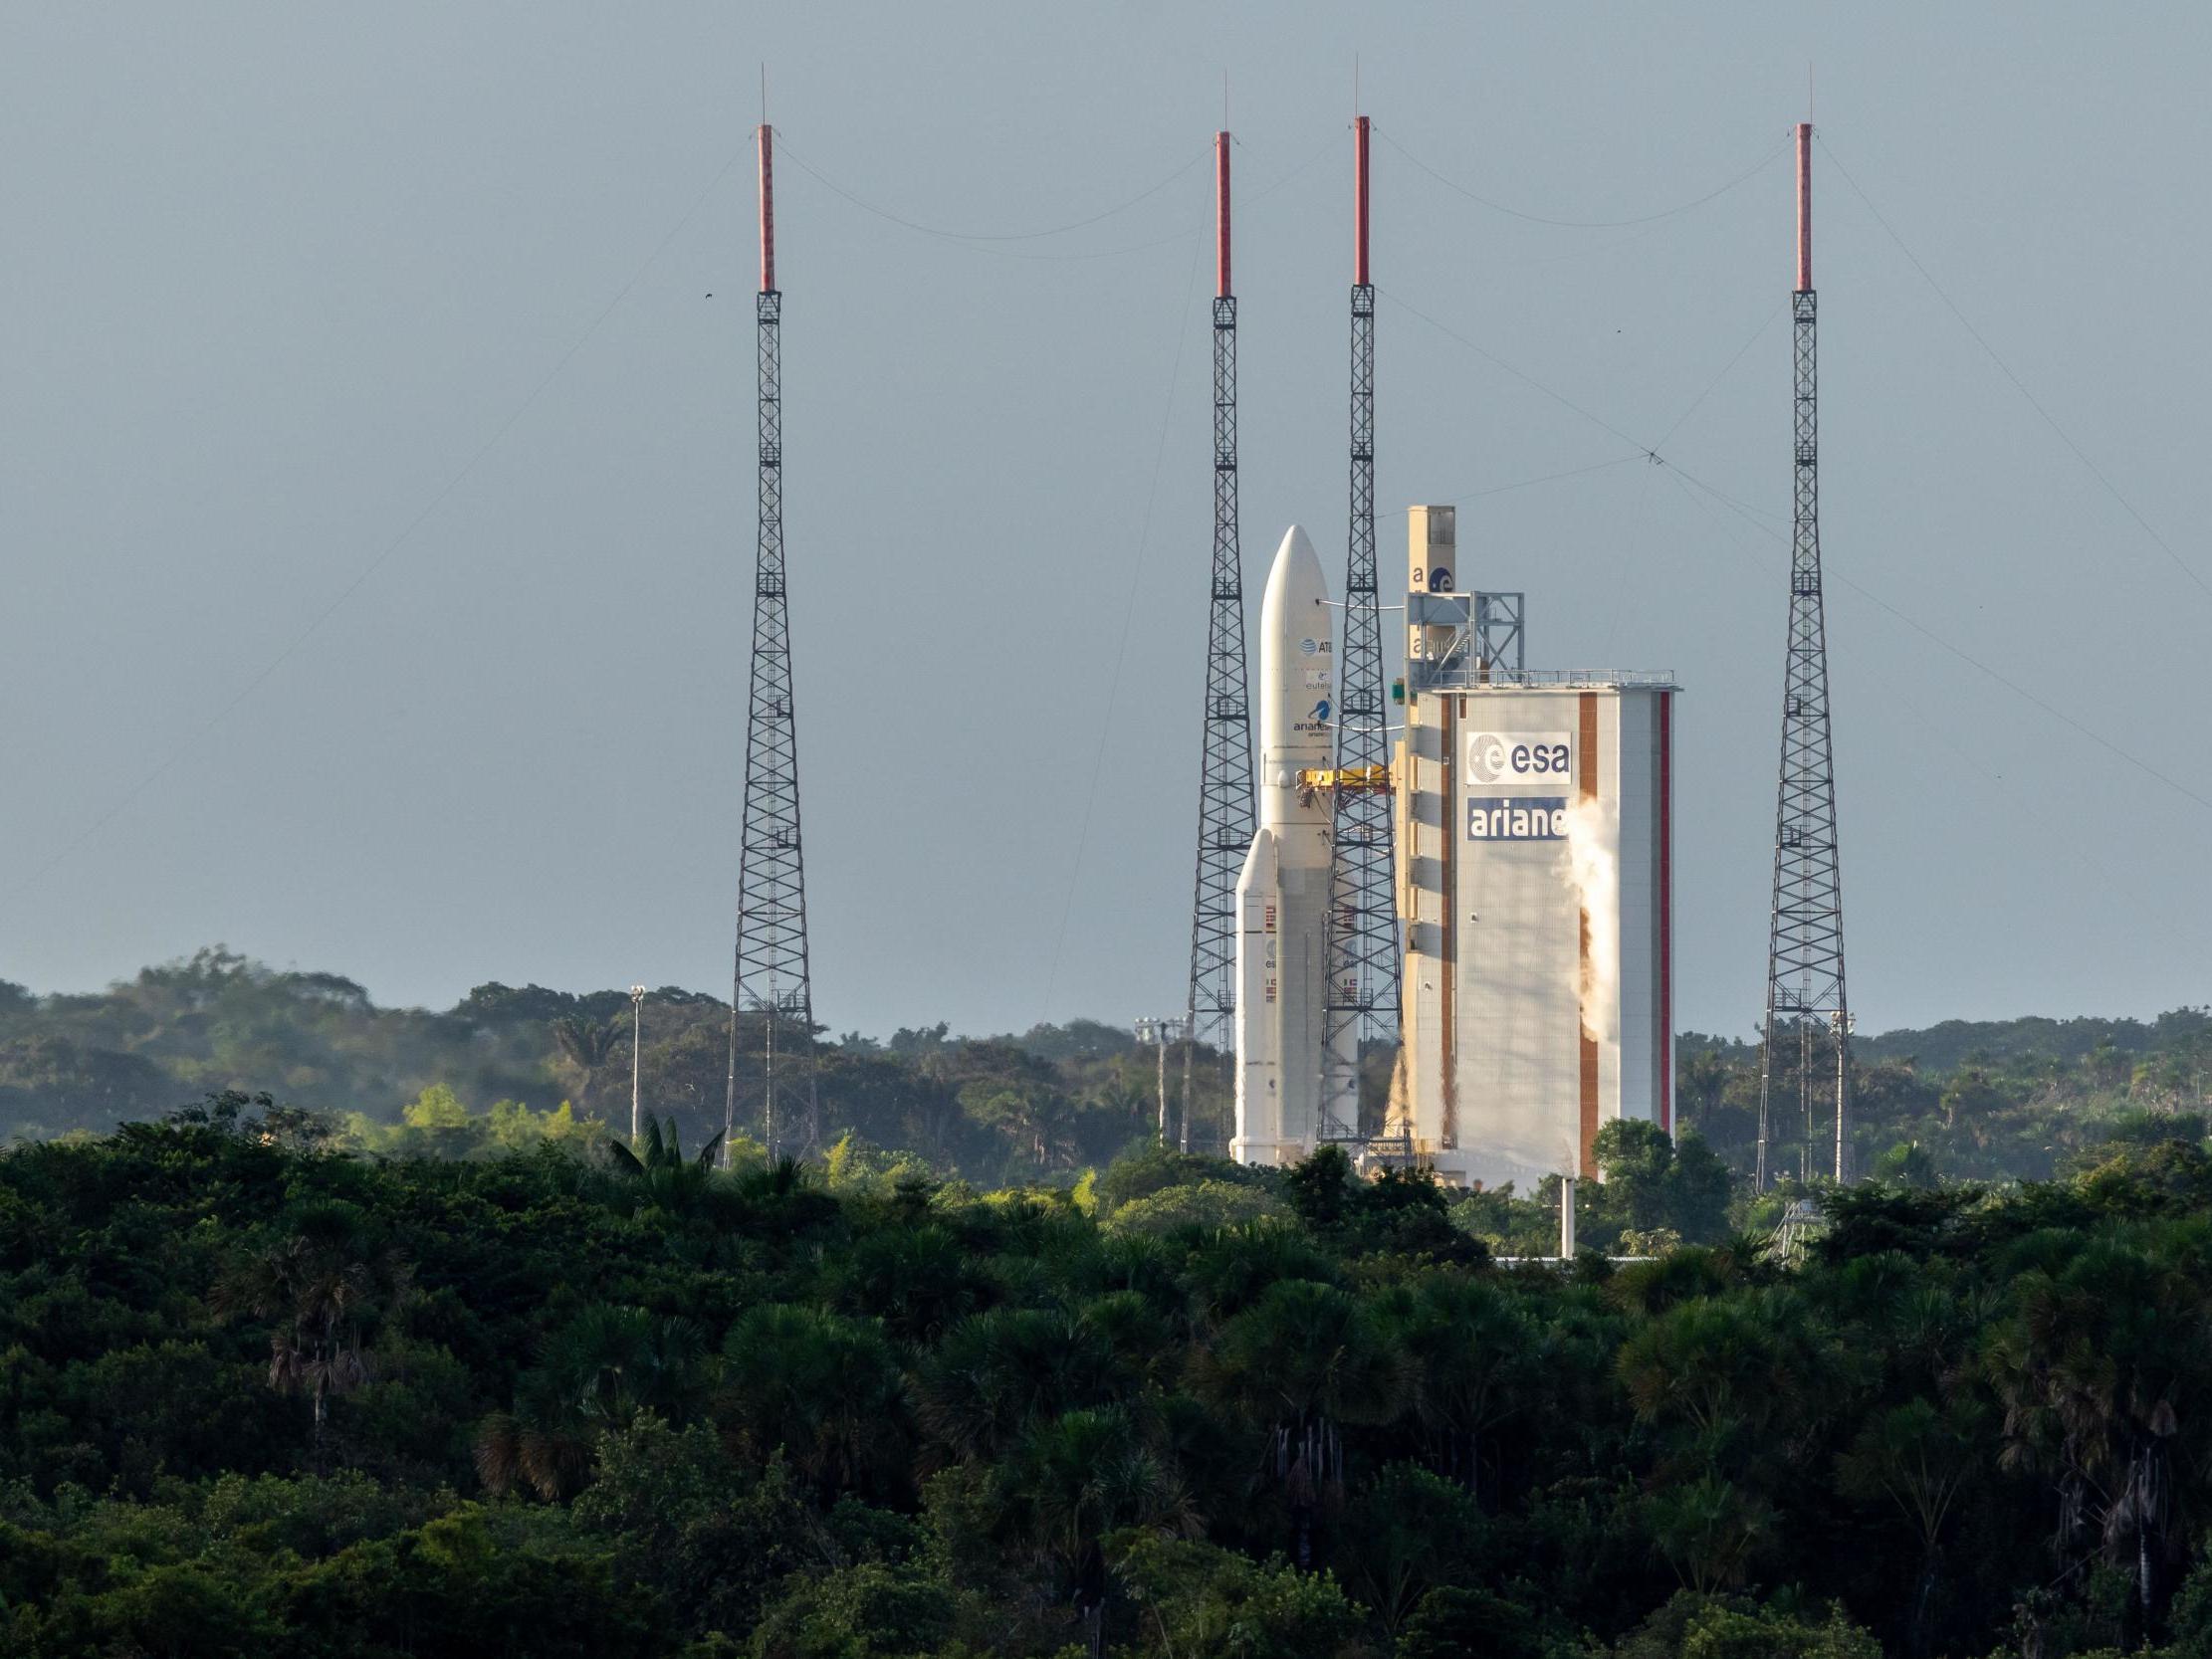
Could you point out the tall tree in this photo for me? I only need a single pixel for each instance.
(824, 1389)
(587, 1044)
(323, 1282)
(595, 1373)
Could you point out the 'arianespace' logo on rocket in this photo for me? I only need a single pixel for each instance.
(1519, 758)
(1317, 717)
(1517, 818)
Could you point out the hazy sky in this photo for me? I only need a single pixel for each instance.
(292, 288)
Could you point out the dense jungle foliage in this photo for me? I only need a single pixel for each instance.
(263, 1396)
(508, 1067)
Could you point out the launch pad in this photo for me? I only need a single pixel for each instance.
(1531, 816)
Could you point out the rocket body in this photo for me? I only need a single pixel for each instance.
(1282, 895)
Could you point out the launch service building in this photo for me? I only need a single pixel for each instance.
(1533, 816)
(1534, 824)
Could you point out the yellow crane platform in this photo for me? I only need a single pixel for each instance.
(1369, 780)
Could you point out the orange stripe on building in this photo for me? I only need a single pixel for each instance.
(1448, 976)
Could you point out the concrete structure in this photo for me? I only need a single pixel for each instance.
(1533, 815)
(1282, 895)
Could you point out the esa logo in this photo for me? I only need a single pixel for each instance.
(1513, 757)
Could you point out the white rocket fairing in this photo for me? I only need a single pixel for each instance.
(1282, 897)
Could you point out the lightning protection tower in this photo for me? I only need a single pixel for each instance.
(1805, 948)
(1362, 991)
(1226, 764)
(773, 978)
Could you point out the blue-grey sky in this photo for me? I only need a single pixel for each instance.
(290, 289)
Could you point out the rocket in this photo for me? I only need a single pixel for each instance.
(1282, 895)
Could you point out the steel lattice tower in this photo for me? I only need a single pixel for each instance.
(1363, 954)
(1226, 811)
(772, 977)
(1805, 949)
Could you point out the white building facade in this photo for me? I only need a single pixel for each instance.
(1535, 839)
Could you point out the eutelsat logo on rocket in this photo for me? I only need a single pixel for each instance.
(1515, 758)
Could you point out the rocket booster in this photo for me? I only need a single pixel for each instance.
(1282, 895)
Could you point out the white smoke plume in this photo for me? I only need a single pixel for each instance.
(1591, 869)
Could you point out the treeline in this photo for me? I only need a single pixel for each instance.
(257, 1396)
(1983, 1102)
(2010, 1100)
(1051, 1102)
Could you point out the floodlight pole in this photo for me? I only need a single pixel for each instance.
(1160, 1033)
(637, 1026)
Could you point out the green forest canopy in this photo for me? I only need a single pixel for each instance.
(260, 1395)
(407, 1351)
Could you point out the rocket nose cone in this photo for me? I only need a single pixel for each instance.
(1298, 547)
(1297, 667)
(1297, 568)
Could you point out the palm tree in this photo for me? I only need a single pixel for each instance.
(1752, 1362)
(324, 1284)
(919, 1279)
(664, 1176)
(1704, 1078)
(1235, 1267)
(587, 1044)
(614, 1363)
(998, 1372)
(1305, 1360)
(1921, 1456)
(824, 1388)
(1709, 1531)
(1072, 1479)
(595, 1373)
(1921, 1321)
(1134, 1330)
(2097, 1370)
(935, 1107)
(1680, 1276)
(1468, 1346)
(1408, 1532)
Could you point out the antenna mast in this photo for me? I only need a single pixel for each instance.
(1225, 810)
(772, 977)
(1362, 991)
(1805, 937)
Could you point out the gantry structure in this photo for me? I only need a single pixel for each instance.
(773, 978)
(1361, 999)
(1805, 936)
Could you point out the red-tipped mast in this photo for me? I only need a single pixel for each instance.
(1359, 201)
(1221, 215)
(768, 209)
(1805, 207)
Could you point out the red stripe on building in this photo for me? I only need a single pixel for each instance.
(1667, 912)
(1587, 791)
